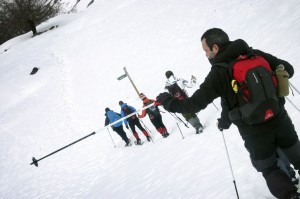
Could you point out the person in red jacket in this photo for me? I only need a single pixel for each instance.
(154, 115)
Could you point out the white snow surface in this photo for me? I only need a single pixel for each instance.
(79, 63)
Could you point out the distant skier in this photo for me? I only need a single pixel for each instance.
(111, 117)
(154, 115)
(133, 121)
(176, 87)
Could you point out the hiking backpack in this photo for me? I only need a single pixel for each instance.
(152, 111)
(176, 91)
(128, 111)
(255, 88)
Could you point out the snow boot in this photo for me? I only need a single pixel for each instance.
(199, 130)
(128, 143)
(165, 134)
(149, 138)
(138, 142)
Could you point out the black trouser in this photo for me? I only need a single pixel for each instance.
(119, 130)
(262, 149)
(157, 122)
(135, 122)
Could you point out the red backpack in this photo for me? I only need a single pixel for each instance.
(255, 88)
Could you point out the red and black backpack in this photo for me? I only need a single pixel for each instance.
(255, 88)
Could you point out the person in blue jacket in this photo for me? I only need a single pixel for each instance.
(111, 117)
(133, 121)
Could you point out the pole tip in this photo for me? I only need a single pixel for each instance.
(35, 162)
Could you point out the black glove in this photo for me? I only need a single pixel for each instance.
(222, 124)
(126, 126)
(165, 99)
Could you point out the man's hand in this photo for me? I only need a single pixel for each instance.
(222, 124)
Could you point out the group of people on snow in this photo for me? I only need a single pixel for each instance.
(273, 144)
(176, 87)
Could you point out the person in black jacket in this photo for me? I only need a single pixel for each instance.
(261, 140)
(282, 161)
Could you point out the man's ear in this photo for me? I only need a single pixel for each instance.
(215, 48)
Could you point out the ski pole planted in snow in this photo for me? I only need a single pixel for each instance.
(237, 194)
(35, 161)
(180, 130)
(111, 138)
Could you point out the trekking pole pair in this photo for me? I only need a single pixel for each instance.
(178, 119)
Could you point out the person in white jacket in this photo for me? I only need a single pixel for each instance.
(176, 87)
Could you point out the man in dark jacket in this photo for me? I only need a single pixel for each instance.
(133, 121)
(282, 161)
(261, 140)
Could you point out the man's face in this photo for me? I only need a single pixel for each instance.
(210, 54)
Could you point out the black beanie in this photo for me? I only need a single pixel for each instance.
(169, 74)
(121, 102)
(107, 109)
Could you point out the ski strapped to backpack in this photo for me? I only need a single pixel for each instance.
(255, 87)
(176, 91)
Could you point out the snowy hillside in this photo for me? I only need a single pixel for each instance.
(79, 63)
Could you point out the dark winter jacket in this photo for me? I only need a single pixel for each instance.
(218, 84)
(111, 117)
(123, 113)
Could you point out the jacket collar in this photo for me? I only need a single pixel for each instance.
(231, 51)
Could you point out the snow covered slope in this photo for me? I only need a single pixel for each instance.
(79, 63)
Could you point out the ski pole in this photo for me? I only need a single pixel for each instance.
(111, 138)
(35, 161)
(179, 130)
(237, 194)
(212, 102)
(147, 130)
(294, 88)
(179, 119)
(215, 106)
(293, 104)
